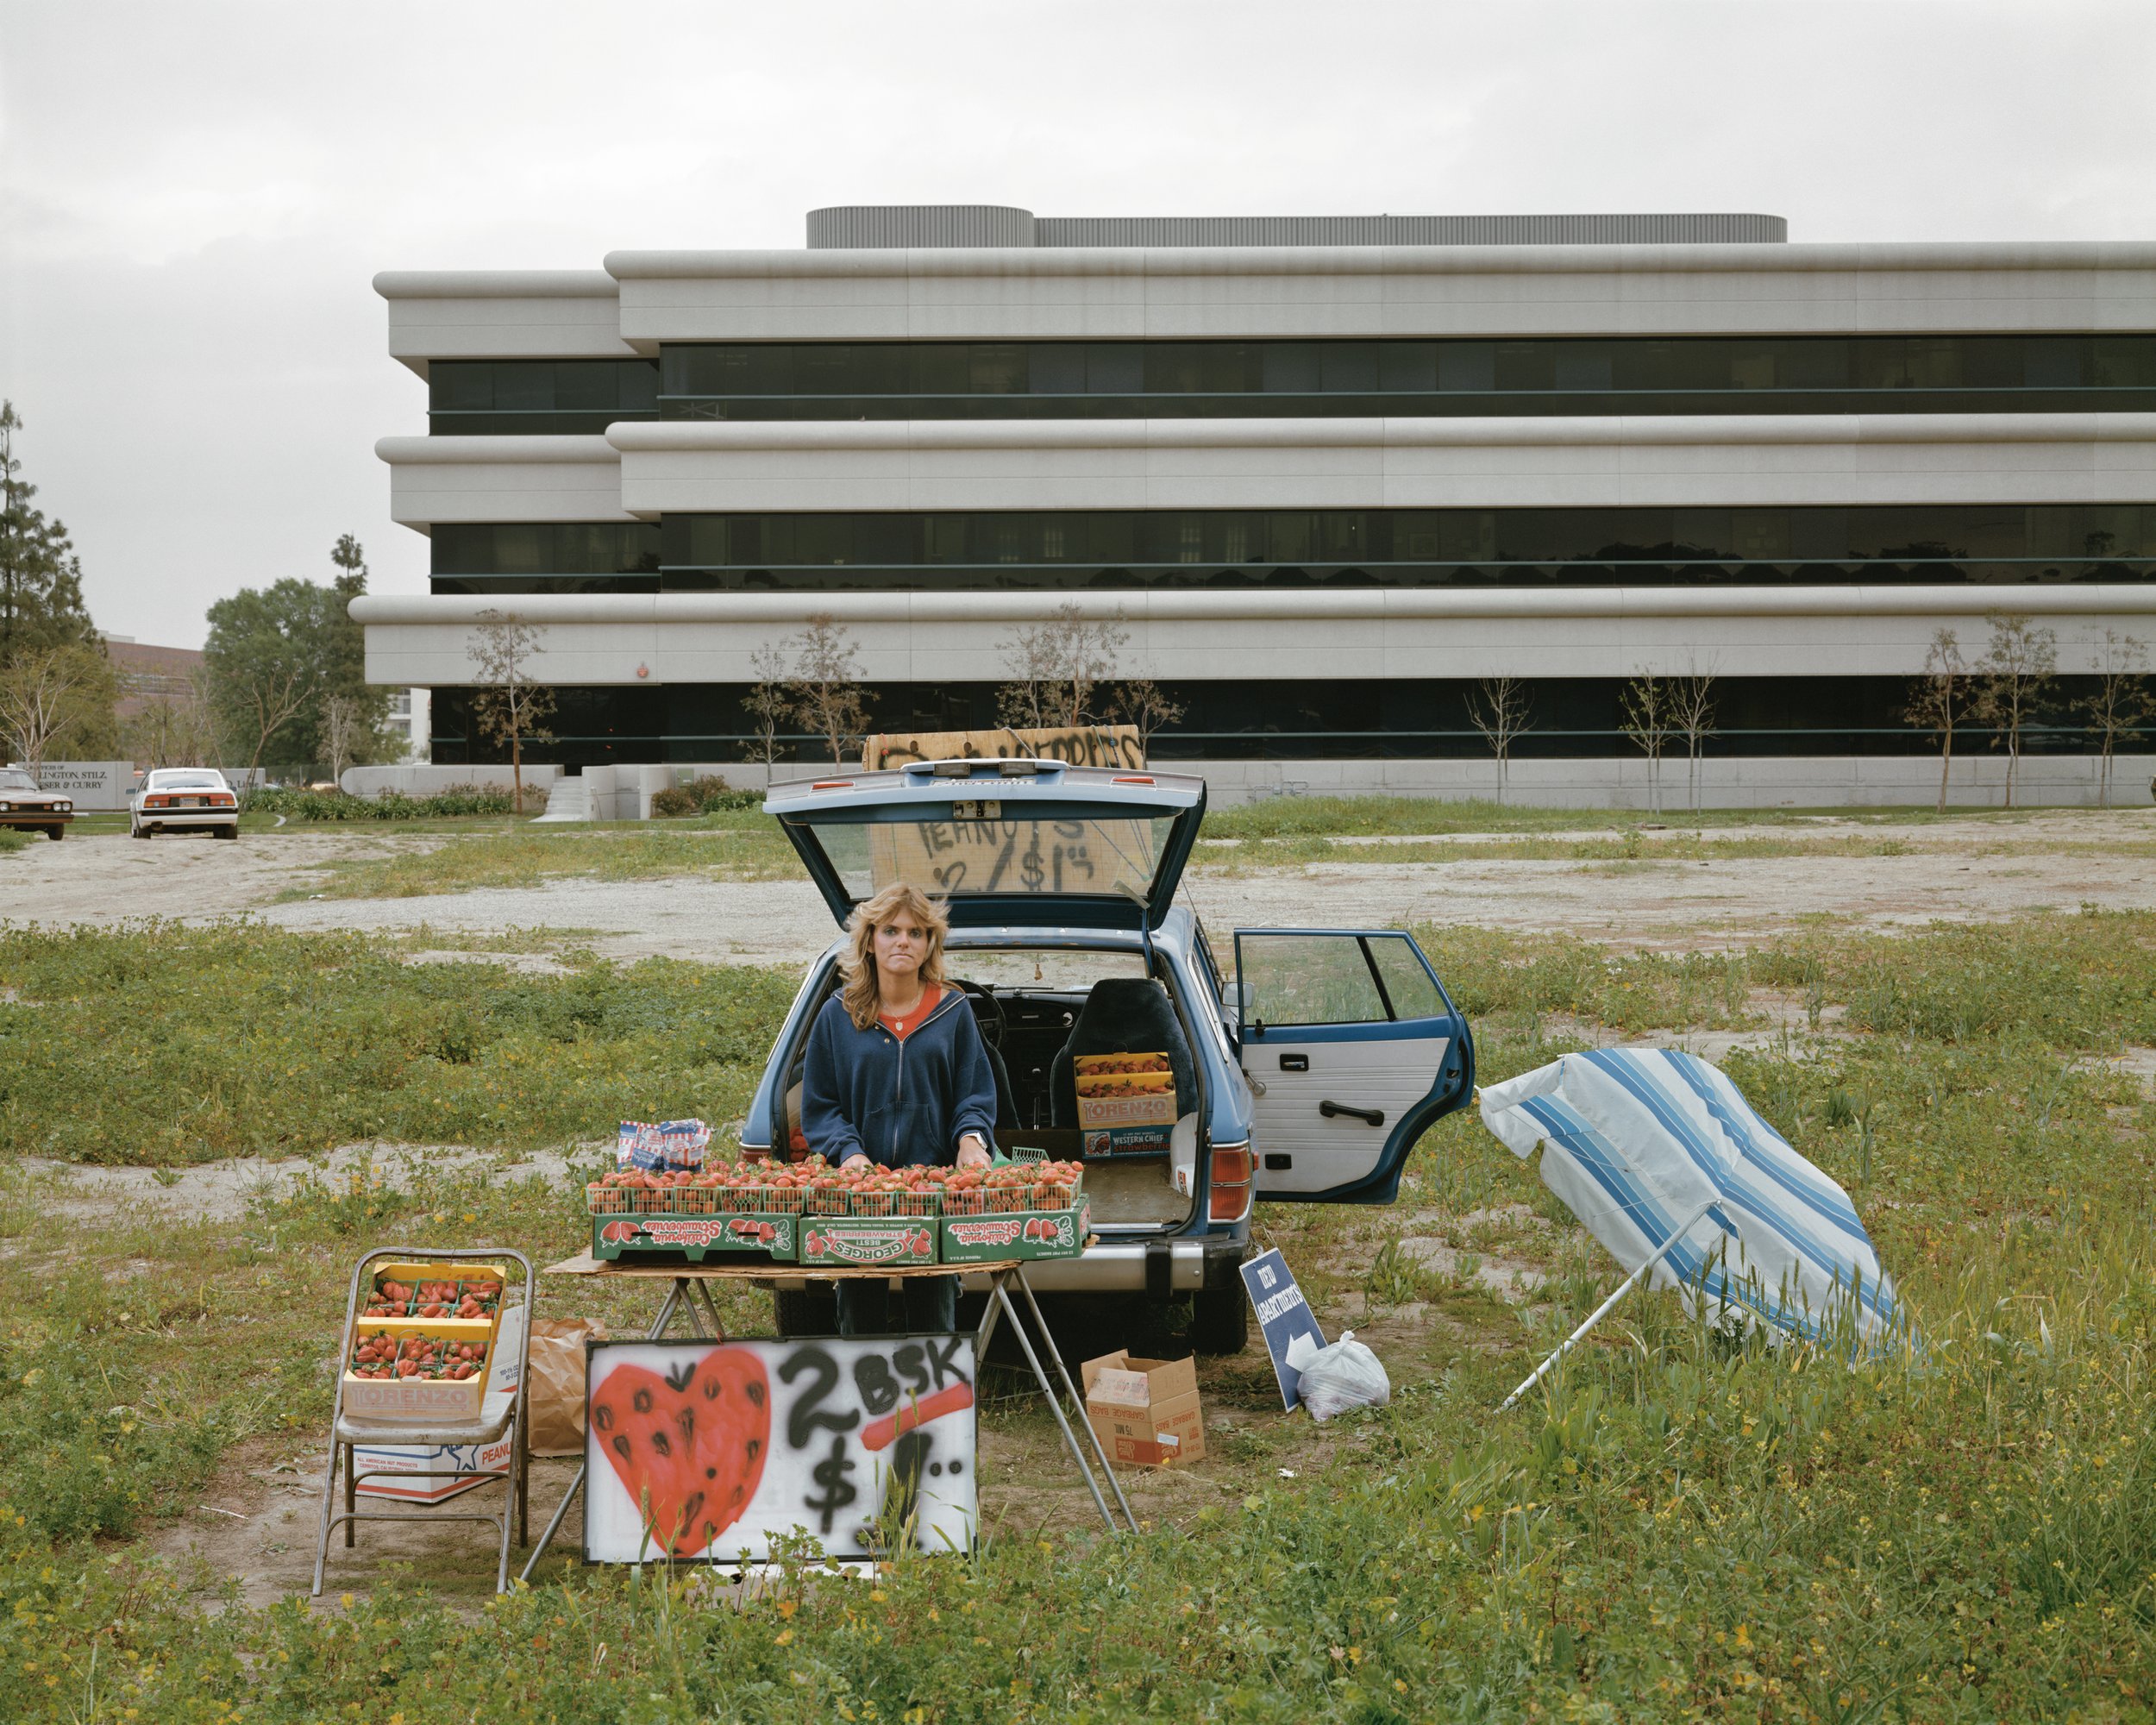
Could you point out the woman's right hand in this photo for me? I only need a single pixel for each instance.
(858, 1159)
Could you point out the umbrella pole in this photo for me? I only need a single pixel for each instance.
(1607, 1306)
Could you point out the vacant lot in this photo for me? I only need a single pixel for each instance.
(1681, 1528)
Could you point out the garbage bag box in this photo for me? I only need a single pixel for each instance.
(1145, 1411)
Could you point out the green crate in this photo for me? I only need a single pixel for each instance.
(765, 1234)
(1014, 1233)
(868, 1241)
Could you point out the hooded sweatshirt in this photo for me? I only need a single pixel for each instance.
(899, 1102)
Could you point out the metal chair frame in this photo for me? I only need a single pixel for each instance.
(516, 1476)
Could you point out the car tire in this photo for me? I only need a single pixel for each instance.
(1219, 1321)
(231, 831)
(799, 1313)
(138, 832)
(56, 833)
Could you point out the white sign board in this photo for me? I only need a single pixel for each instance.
(92, 784)
(708, 1452)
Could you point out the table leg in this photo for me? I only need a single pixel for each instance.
(997, 1293)
(1077, 1401)
(718, 1325)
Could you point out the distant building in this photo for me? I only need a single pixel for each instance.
(148, 674)
(407, 723)
(1329, 473)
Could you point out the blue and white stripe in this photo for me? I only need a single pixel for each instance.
(1637, 1140)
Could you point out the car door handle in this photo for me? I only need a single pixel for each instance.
(1374, 1116)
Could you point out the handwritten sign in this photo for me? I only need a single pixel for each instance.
(1113, 858)
(1292, 1335)
(707, 1451)
(1084, 745)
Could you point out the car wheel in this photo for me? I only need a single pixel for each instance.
(56, 833)
(1220, 1320)
(138, 832)
(231, 831)
(800, 1313)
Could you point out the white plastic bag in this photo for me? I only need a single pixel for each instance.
(1347, 1375)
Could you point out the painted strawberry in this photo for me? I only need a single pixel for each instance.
(618, 1231)
(689, 1447)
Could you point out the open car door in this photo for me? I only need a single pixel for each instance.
(1353, 1049)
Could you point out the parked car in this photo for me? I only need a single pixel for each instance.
(1306, 1076)
(22, 805)
(184, 799)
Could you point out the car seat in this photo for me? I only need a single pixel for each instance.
(1122, 1015)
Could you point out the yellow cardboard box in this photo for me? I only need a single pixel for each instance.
(1145, 1411)
(1126, 1102)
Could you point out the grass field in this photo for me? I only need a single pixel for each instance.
(1682, 1528)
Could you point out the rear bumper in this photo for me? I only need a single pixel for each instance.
(1162, 1267)
(187, 817)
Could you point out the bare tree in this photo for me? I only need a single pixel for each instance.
(2014, 683)
(770, 702)
(1692, 717)
(826, 698)
(508, 705)
(1140, 704)
(1940, 700)
(2119, 706)
(49, 693)
(1057, 669)
(173, 729)
(1498, 707)
(1647, 717)
(343, 724)
(261, 699)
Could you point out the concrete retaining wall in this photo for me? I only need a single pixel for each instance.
(1808, 782)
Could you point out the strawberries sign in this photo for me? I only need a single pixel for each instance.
(702, 1453)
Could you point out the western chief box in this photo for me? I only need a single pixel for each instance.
(1127, 1103)
(868, 1241)
(1015, 1233)
(1145, 1411)
(769, 1234)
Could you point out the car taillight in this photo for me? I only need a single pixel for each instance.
(1231, 1182)
(155, 802)
(220, 802)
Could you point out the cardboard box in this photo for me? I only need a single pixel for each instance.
(1004, 1234)
(419, 1400)
(1145, 1411)
(868, 1240)
(479, 1329)
(1127, 1103)
(766, 1234)
(448, 1468)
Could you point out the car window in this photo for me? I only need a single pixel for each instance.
(1051, 969)
(1308, 979)
(1409, 987)
(13, 780)
(186, 782)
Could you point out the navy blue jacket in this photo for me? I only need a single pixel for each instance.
(899, 1102)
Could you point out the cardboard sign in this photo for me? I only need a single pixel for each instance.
(708, 1452)
(991, 854)
(1145, 1411)
(1292, 1335)
(1089, 745)
(1126, 1102)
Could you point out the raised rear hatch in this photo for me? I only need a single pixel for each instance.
(1030, 843)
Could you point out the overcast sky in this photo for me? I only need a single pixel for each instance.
(194, 196)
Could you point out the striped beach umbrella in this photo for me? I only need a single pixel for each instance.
(1666, 1164)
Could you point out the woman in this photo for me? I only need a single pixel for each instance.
(897, 1075)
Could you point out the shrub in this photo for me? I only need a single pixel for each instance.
(450, 800)
(709, 794)
(12, 840)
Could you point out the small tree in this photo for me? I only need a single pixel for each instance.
(770, 702)
(2014, 683)
(1498, 707)
(1140, 704)
(51, 696)
(1940, 700)
(1692, 717)
(173, 730)
(2119, 706)
(826, 698)
(508, 706)
(1647, 717)
(343, 723)
(1057, 669)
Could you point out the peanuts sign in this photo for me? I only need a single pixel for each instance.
(704, 1451)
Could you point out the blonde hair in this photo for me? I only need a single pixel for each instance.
(861, 995)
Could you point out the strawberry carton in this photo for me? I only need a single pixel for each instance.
(868, 1241)
(774, 1234)
(1127, 1103)
(462, 1299)
(416, 1373)
(1029, 1209)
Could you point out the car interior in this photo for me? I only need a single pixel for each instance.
(1036, 1009)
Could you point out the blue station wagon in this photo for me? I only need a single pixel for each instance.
(1304, 1073)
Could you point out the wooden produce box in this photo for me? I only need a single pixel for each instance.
(1015, 1233)
(440, 1401)
(692, 1239)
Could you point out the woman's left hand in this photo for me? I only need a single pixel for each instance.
(972, 1153)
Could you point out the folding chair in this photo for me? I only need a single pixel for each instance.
(501, 1412)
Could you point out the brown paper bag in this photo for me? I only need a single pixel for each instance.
(556, 1384)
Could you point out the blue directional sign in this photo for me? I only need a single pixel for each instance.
(1292, 1335)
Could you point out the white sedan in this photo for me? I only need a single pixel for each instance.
(179, 799)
